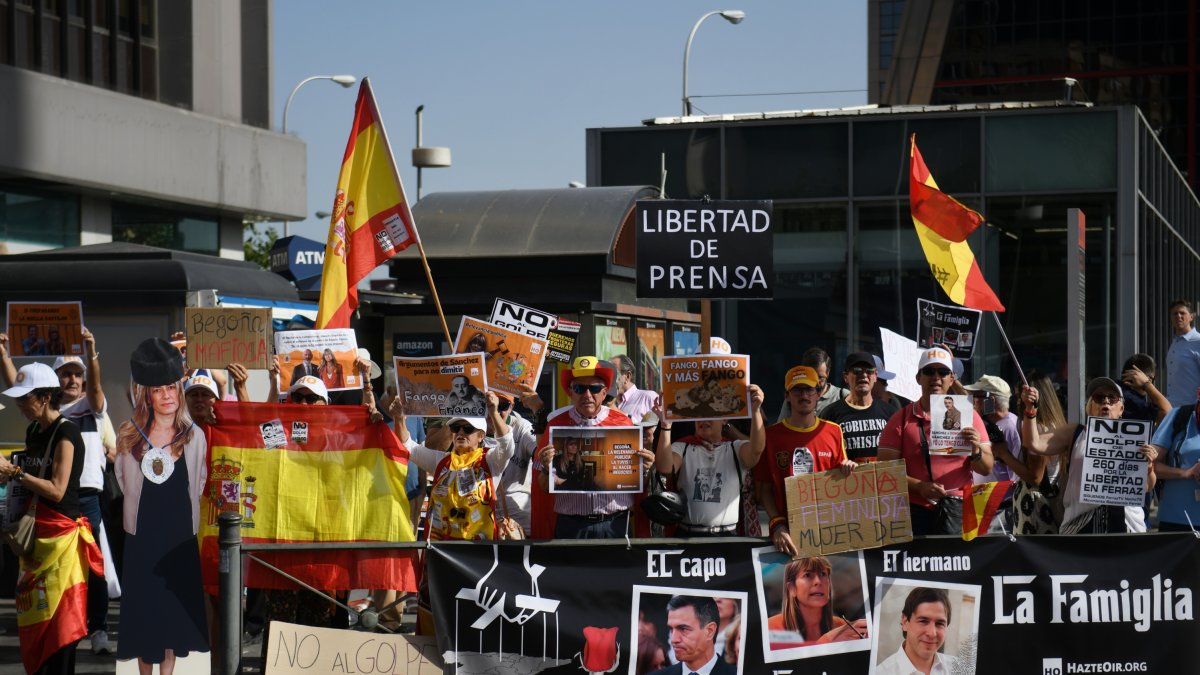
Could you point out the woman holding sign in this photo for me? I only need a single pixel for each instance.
(1079, 517)
(160, 465)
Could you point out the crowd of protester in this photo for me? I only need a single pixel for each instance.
(478, 478)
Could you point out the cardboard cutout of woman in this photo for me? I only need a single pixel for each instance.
(160, 465)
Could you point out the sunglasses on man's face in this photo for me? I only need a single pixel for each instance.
(862, 370)
(1102, 399)
(930, 371)
(462, 428)
(593, 388)
(308, 399)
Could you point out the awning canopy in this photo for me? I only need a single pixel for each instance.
(512, 223)
(142, 275)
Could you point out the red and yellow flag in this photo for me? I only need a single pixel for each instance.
(301, 474)
(979, 506)
(371, 221)
(51, 596)
(943, 225)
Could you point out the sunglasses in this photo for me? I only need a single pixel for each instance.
(310, 399)
(461, 428)
(860, 370)
(930, 371)
(1101, 399)
(593, 388)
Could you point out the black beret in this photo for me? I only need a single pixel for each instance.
(156, 363)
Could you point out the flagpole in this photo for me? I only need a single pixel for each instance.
(1011, 353)
(416, 232)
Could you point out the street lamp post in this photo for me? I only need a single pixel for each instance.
(733, 16)
(344, 80)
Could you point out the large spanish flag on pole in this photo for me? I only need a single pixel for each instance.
(943, 225)
(371, 221)
(51, 595)
(309, 474)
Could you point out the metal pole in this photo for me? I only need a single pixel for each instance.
(420, 110)
(687, 52)
(229, 598)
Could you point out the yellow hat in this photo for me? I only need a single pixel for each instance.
(800, 375)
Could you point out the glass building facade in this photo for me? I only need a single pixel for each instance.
(847, 259)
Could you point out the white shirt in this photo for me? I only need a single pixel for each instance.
(90, 424)
(702, 670)
(709, 478)
(900, 664)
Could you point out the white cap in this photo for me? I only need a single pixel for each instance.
(477, 422)
(201, 377)
(936, 355)
(32, 376)
(375, 370)
(68, 360)
(718, 345)
(313, 384)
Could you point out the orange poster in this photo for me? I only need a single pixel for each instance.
(327, 354)
(596, 459)
(513, 360)
(706, 387)
(45, 329)
(442, 386)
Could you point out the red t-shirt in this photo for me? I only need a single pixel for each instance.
(792, 451)
(903, 432)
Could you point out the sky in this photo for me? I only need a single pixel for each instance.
(511, 87)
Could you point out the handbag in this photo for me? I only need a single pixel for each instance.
(20, 535)
(111, 491)
(948, 512)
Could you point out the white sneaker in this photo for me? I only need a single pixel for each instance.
(100, 643)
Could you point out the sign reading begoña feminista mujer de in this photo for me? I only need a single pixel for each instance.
(693, 249)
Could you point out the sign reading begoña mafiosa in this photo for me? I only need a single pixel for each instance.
(694, 249)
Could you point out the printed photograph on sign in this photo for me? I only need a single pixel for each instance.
(811, 606)
(512, 359)
(1115, 472)
(707, 625)
(45, 329)
(707, 387)
(951, 326)
(948, 416)
(596, 459)
(442, 386)
(218, 336)
(327, 354)
(927, 624)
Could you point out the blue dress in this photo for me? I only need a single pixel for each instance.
(162, 605)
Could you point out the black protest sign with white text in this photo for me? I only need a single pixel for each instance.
(692, 249)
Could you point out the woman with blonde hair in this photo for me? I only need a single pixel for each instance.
(331, 371)
(1038, 505)
(160, 465)
(808, 606)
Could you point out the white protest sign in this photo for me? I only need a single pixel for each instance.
(948, 416)
(521, 318)
(1114, 469)
(304, 649)
(901, 356)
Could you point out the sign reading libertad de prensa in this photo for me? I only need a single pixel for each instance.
(692, 249)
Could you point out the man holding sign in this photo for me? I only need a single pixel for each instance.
(800, 444)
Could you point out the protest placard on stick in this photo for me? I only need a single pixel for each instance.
(218, 336)
(442, 386)
(706, 387)
(328, 354)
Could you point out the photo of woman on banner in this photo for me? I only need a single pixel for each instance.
(331, 371)
(161, 468)
(570, 473)
(1104, 400)
(810, 610)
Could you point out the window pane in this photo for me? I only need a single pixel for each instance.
(950, 146)
(164, 228)
(786, 161)
(44, 219)
(1035, 153)
(693, 160)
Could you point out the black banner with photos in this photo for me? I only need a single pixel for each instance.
(955, 327)
(1046, 604)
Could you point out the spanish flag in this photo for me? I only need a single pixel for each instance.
(309, 474)
(979, 506)
(371, 221)
(943, 225)
(51, 596)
